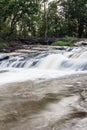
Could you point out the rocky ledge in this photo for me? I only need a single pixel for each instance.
(39, 44)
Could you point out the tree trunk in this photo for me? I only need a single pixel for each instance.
(80, 28)
(45, 19)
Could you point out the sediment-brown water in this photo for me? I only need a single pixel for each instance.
(59, 104)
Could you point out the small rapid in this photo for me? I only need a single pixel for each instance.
(42, 66)
(54, 99)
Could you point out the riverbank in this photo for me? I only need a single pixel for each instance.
(11, 45)
(59, 104)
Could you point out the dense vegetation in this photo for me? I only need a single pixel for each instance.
(41, 18)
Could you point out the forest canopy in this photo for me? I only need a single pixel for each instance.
(41, 18)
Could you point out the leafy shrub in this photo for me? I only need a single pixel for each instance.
(61, 43)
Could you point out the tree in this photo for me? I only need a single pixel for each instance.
(42, 18)
(21, 15)
(51, 20)
(54, 19)
(76, 14)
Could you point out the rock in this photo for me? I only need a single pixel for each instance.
(80, 42)
(4, 58)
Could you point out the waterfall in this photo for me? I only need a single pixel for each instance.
(44, 65)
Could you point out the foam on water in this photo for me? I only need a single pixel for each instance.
(19, 75)
(42, 67)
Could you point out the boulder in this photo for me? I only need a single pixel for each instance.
(4, 57)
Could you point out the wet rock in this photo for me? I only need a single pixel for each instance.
(80, 42)
(4, 58)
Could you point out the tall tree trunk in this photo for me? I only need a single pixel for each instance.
(45, 19)
(80, 28)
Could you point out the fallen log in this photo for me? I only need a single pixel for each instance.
(42, 41)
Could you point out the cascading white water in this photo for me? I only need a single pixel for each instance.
(52, 61)
(43, 66)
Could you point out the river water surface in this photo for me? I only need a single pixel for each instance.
(44, 91)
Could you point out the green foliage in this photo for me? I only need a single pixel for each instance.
(62, 43)
(19, 17)
(3, 45)
(75, 13)
(51, 24)
(34, 18)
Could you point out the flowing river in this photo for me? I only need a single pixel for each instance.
(44, 90)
